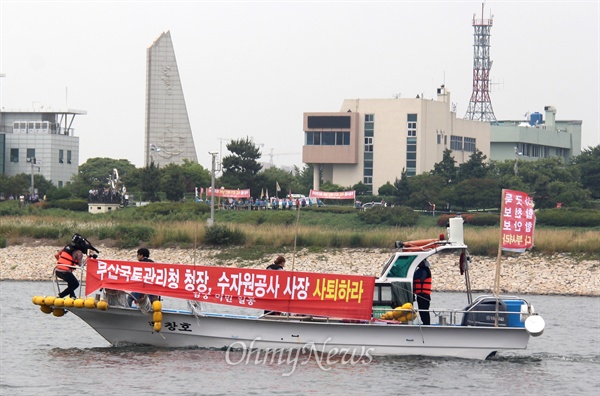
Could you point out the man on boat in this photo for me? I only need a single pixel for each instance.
(277, 265)
(422, 290)
(143, 254)
(69, 258)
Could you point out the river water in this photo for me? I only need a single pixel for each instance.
(44, 355)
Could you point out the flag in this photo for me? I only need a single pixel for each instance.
(196, 191)
(277, 188)
(517, 221)
(267, 194)
(262, 193)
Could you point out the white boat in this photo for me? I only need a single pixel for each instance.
(487, 325)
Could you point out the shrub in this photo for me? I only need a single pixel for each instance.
(396, 216)
(572, 217)
(2, 242)
(218, 234)
(77, 205)
(487, 219)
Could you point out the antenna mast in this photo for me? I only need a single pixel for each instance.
(480, 106)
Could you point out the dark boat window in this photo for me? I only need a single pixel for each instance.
(400, 267)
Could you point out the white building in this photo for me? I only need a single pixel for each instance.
(42, 141)
(373, 140)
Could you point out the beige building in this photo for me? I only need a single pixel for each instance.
(373, 140)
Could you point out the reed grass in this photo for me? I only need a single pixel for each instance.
(276, 237)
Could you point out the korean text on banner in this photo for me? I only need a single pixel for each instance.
(517, 221)
(344, 296)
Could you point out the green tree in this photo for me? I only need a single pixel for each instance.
(446, 168)
(588, 163)
(241, 167)
(425, 189)
(172, 182)
(569, 194)
(474, 168)
(387, 190)
(195, 175)
(477, 194)
(402, 187)
(361, 188)
(150, 182)
(275, 176)
(96, 173)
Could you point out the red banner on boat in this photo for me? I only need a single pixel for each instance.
(225, 193)
(332, 195)
(334, 295)
(518, 221)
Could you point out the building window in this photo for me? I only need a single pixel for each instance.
(30, 154)
(411, 156)
(14, 155)
(368, 180)
(456, 143)
(60, 184)
(439, 139)
(411, 125)
(69, 157)
(327, 139)
(368, 144)
(369, 118)
(470, 145)
(61, 156)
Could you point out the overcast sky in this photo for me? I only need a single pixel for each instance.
(252, 68)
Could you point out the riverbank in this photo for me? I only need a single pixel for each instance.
(524, 274)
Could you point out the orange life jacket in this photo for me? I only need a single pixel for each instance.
(65, 259)
(422, 287)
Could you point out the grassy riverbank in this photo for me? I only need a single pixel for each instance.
(261, 232)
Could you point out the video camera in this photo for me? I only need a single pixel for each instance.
(80, 243)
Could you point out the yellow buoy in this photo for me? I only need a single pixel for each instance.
(69, 302)
(157, 306)
(58, 312)
(79, 303)
(102, 305)
(33, 299)
(39, 300)
(157, 326)
(45, 309)
(157, 316)
(59, 302)
(90, 302)
(49, 300)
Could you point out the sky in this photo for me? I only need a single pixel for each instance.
(251, 69)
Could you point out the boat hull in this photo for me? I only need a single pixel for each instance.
(183, 329)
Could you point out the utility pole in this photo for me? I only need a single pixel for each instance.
(211, 220)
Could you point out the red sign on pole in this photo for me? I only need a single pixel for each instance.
(517, 220)
(334, 295)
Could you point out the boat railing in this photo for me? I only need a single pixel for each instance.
(58, 283)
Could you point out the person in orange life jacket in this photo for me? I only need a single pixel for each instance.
(277, 265)
(422, 290)
(67, 259)
(143, 255)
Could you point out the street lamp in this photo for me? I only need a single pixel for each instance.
(211, 220)
(517, 154)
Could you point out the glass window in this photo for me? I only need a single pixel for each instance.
(317, 138)
(309, 138)
(439, 139)
(369, 164)
(369, 117)
(14, 155)
(400, 267)
(412, 156)
(368, 156)
(346, 139)
(411, 164)
(368, 172)
(368, 144)
(369, 132)
(60, 184)
(369, 125)
(328, 138)
(61, 156)
(411, 117)
(30, 153)
(470, 144)
(68, 158)
(456, 142)
(368, 180)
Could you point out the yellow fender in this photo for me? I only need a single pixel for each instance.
(59, 302)
(90, 302)
(69, 302)
(58, 312)
(45, 309)
(102, 305)
(79, 303)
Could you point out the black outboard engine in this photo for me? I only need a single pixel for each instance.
(483, 313)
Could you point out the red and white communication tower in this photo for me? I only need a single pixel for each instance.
(480, 106)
